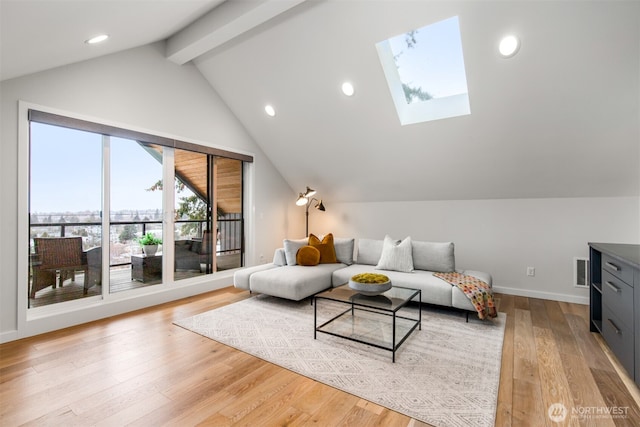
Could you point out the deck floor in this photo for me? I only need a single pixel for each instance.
(120, 281)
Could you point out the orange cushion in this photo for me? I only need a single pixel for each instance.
(308, 255)
(326, 248)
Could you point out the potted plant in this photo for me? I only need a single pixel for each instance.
(149, 243)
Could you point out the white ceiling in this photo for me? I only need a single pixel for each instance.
(36, 35)
(559, 119)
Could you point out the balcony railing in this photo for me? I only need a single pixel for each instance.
(229, 238)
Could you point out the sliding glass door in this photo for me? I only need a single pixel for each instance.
(194, 254)
(65, 205)
(229, 218)
(208, 223)
(135, 211)
(194, 226)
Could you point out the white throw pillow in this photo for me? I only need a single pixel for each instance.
(344, 249)
(291, 249)
(369, 251)
(433, 256)
(396, 255)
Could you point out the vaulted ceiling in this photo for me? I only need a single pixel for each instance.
(559, 119)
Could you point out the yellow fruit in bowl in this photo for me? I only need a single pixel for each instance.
(370, 284)
(370, 278)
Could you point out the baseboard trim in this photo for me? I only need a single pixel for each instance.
(8, 336)
(63, 318)
(542, 295)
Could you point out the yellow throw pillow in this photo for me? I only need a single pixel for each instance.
(308, 255)
(326, 248)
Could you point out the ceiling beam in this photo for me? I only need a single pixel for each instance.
(225, 22)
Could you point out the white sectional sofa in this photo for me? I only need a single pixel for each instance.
(285, 279)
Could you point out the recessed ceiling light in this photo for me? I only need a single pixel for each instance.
(97, 39)
(270, 110)
(509, 46)
(347, 89)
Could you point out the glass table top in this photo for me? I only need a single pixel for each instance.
(391, 300)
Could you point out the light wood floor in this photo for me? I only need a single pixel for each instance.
(139, 369)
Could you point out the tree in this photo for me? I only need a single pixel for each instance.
(411, 93)
(189, 207)
(128, 233)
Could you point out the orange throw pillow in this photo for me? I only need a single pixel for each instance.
(326, 248)
(308, 255)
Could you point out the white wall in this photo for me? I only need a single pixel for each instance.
(502, 237)
(141, 90)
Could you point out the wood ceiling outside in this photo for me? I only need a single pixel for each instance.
(191, 168)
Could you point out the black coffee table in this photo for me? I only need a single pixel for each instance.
(372, 320)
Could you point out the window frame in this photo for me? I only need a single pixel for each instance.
(30, 321)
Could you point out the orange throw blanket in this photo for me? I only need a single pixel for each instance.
(478, 292)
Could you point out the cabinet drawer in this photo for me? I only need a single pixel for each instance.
(618, 296)
(619, 269)
(619, 338)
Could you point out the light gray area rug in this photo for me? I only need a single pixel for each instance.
(446, 374)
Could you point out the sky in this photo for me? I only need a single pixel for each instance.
(436, 62)
(66, 172)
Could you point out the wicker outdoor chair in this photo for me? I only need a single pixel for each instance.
(192, 254)
(55, 255)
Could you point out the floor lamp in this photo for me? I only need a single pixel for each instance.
(305, 199)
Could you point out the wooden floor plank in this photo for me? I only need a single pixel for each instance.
(584, 390)
(539, 315)
(525, 365)
(504, 411)
(521, 303)
(616, 395)
(140, 369)
(528, 407)
(561, 330)
(553, 382)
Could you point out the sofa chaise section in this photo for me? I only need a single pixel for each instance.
(241, 277)
(294, 282)
(279, 279)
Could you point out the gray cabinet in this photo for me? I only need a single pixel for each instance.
(614, 301)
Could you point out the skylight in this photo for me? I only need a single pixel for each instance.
(425, 72)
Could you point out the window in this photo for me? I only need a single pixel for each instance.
(425, 72)
(79, 169)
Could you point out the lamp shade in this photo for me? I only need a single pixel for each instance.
(302, 200)
(320, 206)
(310, 192)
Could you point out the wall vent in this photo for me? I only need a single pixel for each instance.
(581, 272)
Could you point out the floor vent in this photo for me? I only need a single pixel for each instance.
(581, 272)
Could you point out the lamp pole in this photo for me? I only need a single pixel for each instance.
(304, 199)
